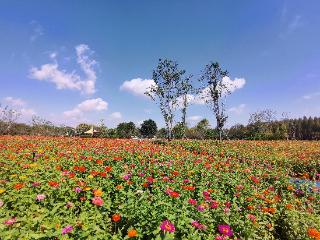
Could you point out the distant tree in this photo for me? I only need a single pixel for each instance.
(179, 130)
(148, 128)
(82, 128)
(213, 91)
(202, 128)
(166, 90)
(102, 129)
(41, 126)
(260, 124)
(126, 130)
(8, 117)
(162, 133)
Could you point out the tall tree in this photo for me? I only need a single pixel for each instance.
(126, 130)
(185, 91)
(213, 92)
(166, 90)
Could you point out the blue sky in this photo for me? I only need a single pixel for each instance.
(67, 60)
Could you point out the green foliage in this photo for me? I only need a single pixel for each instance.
(126, 130)
(148, 128)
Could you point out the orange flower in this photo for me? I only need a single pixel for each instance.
(289, 206)
(290, 188)
(98, 193)
(119, 187)
(314, 233)
(132, 233)
(18, 186)
(116, 217)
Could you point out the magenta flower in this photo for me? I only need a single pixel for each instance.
(66, 230)
(78, 190)
(201, 208)
(214, 204)
(97, 201)
(40, 197)
(225, 230)
(10, 221)
(192, 201)
(167, 226)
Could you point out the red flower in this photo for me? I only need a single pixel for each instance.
(53, 184)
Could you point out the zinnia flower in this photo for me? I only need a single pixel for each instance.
(314, 233)
(97, 201)
(10, 221)
(77, 189)
(1, 203)
(225, 230)
(66, 230)
(40, 197)
(116, 217)
(192, 201)
(132, 233)
(167, 226)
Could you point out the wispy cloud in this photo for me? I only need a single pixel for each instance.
(37, 31)
(311, 96)
(51, 72)
(238, 109)
(291, 26)
(14, 101)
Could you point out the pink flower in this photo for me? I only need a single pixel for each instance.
(126, 177)
(220, 238)
(10, 221)
(198, 225)
(167, 226)
(66, 230)
(192, 201)
(97, 201)
(201, 208)
(40, 197)
(1, 203)
(77, 190)
(186, 180)
(35, 184)
(225, 230)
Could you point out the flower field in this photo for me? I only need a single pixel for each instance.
(72, 188)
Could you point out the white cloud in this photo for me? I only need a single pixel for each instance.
(195, 118)
(89, 105)
(14, 101)
(311, 96)
(137, 86)
(238, 109)
(27, 112)
(231, 85)
(115, 116)
(62, 79)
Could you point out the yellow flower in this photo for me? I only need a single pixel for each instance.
(87, 188)
(23, 177)
(90, 176)
(2, 191)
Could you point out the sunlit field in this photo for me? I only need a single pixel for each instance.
(78, 188)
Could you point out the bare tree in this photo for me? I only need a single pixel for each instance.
(8, 117)
(166, 90)
(213, 92)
